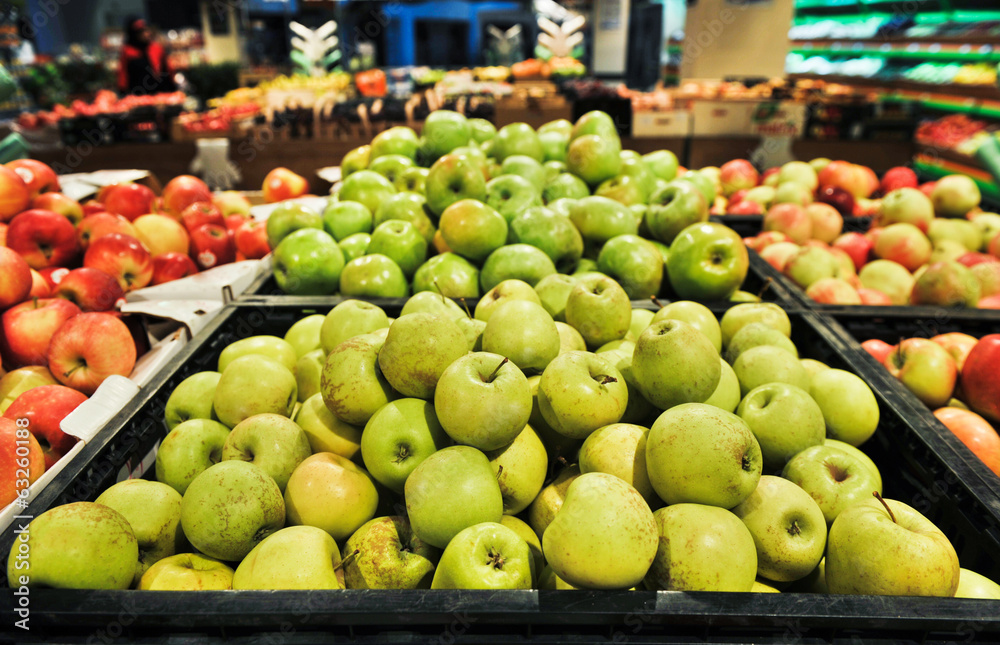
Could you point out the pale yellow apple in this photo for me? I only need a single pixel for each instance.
(187, 572)
(325, 431)
(331, 493)
(161, 234)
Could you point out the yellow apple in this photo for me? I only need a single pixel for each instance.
(161, 234)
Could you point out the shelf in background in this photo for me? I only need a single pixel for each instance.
(927, 51)
(986, 92)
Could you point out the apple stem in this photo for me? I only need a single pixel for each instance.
(496, 371)
(889, 510)
(343, 562)
(765, 287)
(604, 379)
(656, 301)
(499, 470)
(72, 369)
(465, 306)
(436, 286)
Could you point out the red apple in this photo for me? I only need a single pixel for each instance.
(980, 384)
(16, 283)
(833, 291)
(878, 348)
(180, 192)
(123, 257)
(93, 207)
(20, 455)
(59, 203)
(212, 245)
(990, 302)
(746, 207)
(14, 194)
(898, 177)
(905, 244)
(738, 196)
(235, 221)
(37, 176)
(957, 344)
(90, 289)
(859, 181)
(926, 368)
(161, 234)
(201, 213)
(251, 239)
(89, 348)
(129, 200)
(3, 234)
(172, 266)
(837, 197)
(43, 238)
(281, 184)
(994, 246)
(856, 246)
(827, 222)
(40, 287)
(232, 202)
(54, 275)
(870, 177)
(927, 188)
(790, 219)
(873, 297)
(28, 327)
(972, 258)
(975, 432)
(738, 174)
(45, 407)
(100, 224)
(770, 176)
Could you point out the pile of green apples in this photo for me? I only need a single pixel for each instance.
(463, 207)
(559, 441)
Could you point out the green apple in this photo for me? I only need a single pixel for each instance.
(674, 363)
(601, 510)
(385, 554)
(792, 192)
(813, 366)
(451, 490)
(504, 292)
(481, 130)
(525, 167)
(373, 276)
(662, 163)
(561, 206)
(849, 406)
(426, 302)
(511, 194)
(553, 169)
(254, 384)
(562, 126)
(515, 261)
(398, 140)
(593, 158)
(408, 207)
(755, 335)
(554, 234)
(401, 242)
(517, 139)
(348, 319)
(354, 246)
(595, 122)
(417, 350)
(191, 399)
(564, 186)
(296, 557)
(230, 508)
(445, 130)
(769, 364)
(810, 265)
(448, 274)
(189, 448)
(304, 334)
(331, 493)
(787, 526)
(619, 449)
(453, 178)
(799, 171)
(570, 339)
(705, 184)
(737, 316)
(522, 331)
(398, 438)
(693, 313)
(572, 378)
(553, 292)
(153, 510)
(784, 419)
(487, 555)
(412, 180)
(727, 393)
(835, 479)
(702, 548)
(673, 208)
(81, 545)
(891, 549)
(520, 470)
(366, 187)
(356, 159)
(391, 167)
(554, 145)
(483, 400)
(707, 261)
(599, 219)
(352, 386)
(962, 231)
(308, 262)
(634, 263)
(624, 189)
(599, 309)
(527, 534)
(638, 409)
(274, 443)
(289, 217)
(472, 229)
(641, 318)
(187, 572)
(973, 585)
(698, 453)
(273, 347)
(343, 218)
(325, 432)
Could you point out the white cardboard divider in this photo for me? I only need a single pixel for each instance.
(225, 283)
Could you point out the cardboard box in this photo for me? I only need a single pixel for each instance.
(650, 125)
(778, 119)
(721, 118)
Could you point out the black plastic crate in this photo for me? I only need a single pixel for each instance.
(916, 468)
(751, 225)
(761, 280)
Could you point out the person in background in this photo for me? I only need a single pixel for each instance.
(143, 68)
